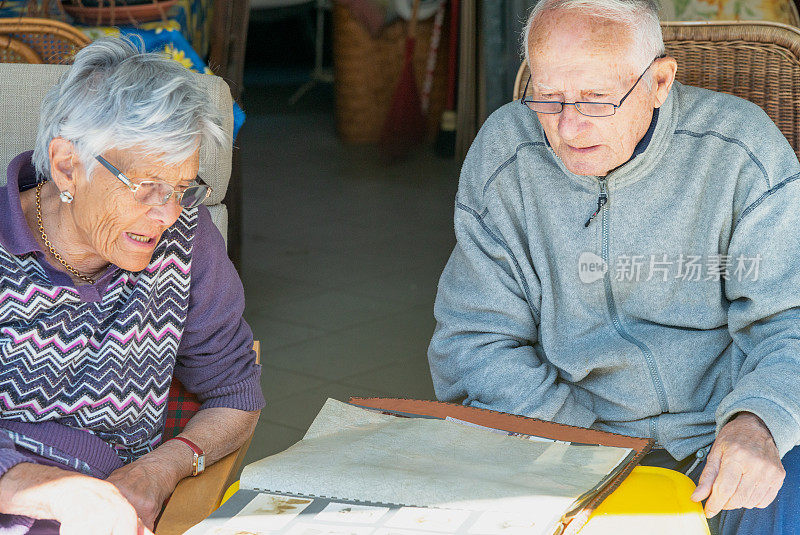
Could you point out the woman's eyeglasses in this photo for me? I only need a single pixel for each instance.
(158, 192)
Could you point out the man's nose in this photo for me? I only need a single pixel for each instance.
(571, 123)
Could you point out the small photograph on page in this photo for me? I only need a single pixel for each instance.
(495, 523)
(325, 529)
(419, 518)
(351, 514)
(265, 513)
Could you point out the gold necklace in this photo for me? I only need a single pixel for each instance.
(47, 241)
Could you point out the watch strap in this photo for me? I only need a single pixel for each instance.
(198, 463)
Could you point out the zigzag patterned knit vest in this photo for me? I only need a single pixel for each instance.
(103, 367)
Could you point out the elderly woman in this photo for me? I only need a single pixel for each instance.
(113, 280)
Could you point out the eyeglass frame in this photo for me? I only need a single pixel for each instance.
(577, 103)
(134, 187)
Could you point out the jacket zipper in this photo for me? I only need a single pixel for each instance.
(612, 307)
(654, 430)
(602, 199)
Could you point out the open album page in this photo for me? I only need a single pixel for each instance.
(350, 454)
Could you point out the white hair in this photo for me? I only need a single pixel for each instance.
(116, 96)
(640, 16)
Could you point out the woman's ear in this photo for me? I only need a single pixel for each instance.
(63, 163)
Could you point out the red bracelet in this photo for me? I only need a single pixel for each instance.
(199, 461)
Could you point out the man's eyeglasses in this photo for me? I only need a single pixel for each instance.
(158, 192)
(588, 108)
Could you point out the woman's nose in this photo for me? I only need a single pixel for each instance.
(165, 214)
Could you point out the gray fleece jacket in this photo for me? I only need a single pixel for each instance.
(677, 307)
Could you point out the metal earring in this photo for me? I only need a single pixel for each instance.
(66, 197)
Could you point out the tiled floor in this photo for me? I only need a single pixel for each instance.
(342, 255)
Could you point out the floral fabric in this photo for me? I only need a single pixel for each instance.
(783, 11)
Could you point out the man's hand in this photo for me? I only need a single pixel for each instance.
(146, 483)
(743, 469)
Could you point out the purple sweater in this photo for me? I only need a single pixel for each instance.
(85, 371)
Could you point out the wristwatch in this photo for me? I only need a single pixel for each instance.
(199, 461)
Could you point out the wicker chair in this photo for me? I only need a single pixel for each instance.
(32, 40)
(15, 51)
(758, 61)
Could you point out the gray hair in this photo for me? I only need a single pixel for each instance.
(640, 16)
(116, 96)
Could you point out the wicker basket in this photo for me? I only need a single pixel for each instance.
(367, 70)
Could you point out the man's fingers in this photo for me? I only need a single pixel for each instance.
(707, 478)
(766, 486)
(752, 489)
(757, 496)
(769, 496)
(743, 468)
(723, 489)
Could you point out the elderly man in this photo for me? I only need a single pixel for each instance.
(627, 259)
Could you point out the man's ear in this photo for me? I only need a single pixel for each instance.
(664, 70)
(63, 163)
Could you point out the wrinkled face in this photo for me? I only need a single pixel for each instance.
(575, 57)
(111, 223)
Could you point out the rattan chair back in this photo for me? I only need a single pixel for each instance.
(44, 41)
(15, 51)
(758, 61)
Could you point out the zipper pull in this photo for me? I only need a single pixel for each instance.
(601, 201)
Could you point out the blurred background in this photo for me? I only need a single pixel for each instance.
(342, 242)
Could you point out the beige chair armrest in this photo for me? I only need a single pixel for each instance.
(197, 497)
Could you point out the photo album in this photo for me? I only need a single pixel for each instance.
(379, 466)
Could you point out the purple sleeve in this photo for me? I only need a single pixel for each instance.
(216, 360)
(9, 456)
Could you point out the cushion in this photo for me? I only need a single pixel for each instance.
(219, 215)
(181, 406)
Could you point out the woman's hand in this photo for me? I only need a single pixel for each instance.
(102, 509)
(83, 505)
(146, 483)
